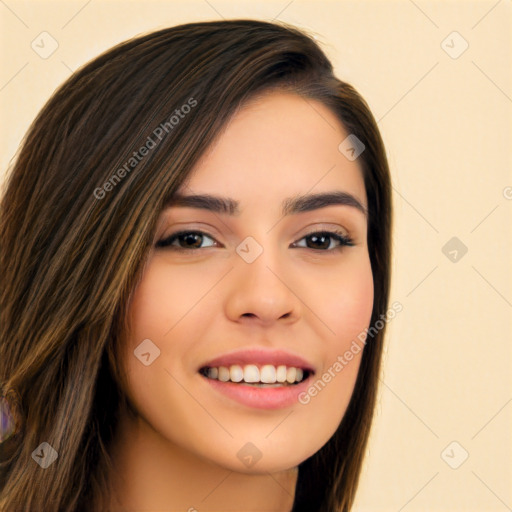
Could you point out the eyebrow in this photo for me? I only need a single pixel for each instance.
(290, 206)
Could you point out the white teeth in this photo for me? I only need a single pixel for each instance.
(281, 373)
(252, 374)
(290, 375)
(223, 374)
(236, 373)
(268, 374)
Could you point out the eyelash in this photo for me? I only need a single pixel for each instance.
(340, 237)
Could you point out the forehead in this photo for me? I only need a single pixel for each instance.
(278, 145)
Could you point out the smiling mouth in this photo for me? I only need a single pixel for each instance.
(265, 376)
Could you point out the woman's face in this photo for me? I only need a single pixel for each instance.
(259, 280)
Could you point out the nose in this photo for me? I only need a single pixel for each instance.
(262, 292)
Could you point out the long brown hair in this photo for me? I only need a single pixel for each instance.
(77, 219)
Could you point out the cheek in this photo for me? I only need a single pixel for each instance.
(157, 312)
(348, 301)
(156, 302)
(150, 318)
(166, 299)
(347, 314)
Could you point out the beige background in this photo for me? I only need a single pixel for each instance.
(447, 126)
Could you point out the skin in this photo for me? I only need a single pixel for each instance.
(180, 452)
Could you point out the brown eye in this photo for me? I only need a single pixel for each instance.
(321, 240)
(186, 240)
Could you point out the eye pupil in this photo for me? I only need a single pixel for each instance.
(189, 237)
(315, 238)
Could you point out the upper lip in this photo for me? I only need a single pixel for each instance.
(260, 356)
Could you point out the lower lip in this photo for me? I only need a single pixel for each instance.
(260, 398)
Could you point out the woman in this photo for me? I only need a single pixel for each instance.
(144, 370)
